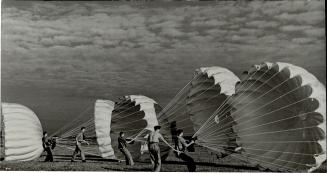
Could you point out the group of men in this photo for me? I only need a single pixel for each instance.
(153, 139)
(50, 143)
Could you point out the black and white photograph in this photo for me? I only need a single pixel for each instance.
(163, 86)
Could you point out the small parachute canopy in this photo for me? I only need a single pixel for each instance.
(102, 120)
(279, 111)
(22, 133)
(135, 114)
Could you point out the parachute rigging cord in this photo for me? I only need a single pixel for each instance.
(132, 115)
(195, 103)
(273, 118)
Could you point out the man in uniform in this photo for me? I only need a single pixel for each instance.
(46, 143)
(153, 142)
(79, 141)
(122, 146)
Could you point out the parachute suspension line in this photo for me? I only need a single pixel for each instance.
(275, 151)
(260, 125)
(121, 104)
(208, 120)
(77, 128)
(137, 134)
(168, 106)
(218, 110)
(132, 130)
(272, 122)
(78, 118)
(268, 103)
(125, 116)
(267, 124)
(116, 115)
(240, 155)
(72, 131)
(184, 119)
(129, 122)
(172, 114)
(70, 148)
(250, 94)
(167, 124)
(260, 156)
(172, 109)
(183, 92)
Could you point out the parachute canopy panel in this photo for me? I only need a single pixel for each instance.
(102, 119)
(279, 111)
(193, 107)
(135, 113)
(22, 133)
(208, 110)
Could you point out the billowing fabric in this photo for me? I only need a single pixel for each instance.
(102, 119)
(22, 133)
(192, 107)
(135, 114)
(280, 115)
(208, 92)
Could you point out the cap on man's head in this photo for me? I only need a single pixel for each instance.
(179, 131)
(157, 127)
(82, 128)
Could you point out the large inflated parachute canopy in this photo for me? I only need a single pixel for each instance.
(192, 108)
(279, 111)
(21, 133)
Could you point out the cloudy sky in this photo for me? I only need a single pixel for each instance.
(59, 57)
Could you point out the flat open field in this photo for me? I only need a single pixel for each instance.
(206, 162)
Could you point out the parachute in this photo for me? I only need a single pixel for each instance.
(102, 120)
(135, 115)
(279, 114)
(192, 108)
(21, 133)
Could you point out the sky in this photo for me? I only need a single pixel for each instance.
(59, 57)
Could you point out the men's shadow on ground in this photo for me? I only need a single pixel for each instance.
(134, 169)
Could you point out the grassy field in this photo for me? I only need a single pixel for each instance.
(206, 163)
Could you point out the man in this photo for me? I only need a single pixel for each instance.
(47, 143)
(182, 146)
(122, 146)
(153, 142)
(173, 132)
(79, 141)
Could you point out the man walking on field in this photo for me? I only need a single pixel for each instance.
(122, 145)
(79, 141)
(153, 142)
(46, 143)
(182, 147)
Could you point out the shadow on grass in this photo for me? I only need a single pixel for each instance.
(134, 169)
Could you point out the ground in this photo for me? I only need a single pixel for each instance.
(62, 163)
